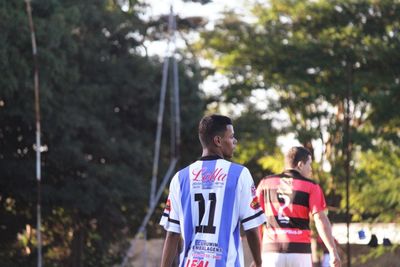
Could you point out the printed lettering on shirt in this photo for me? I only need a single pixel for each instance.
(284, 190)
(196, 263)
(206, 179)
(204, 249)
(281, 213)
(205, 175)
(284, 231)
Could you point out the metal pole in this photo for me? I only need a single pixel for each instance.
(176, 95)
(155, 196)
(347, 162)
(149, 212)
(175, 112)
(160, 119)
(172, 119)
(159, 130)
(38, 144)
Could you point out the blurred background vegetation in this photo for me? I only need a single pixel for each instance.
(286, 70)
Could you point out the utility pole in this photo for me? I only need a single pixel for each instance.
(175, 135)
(347, 150)
(38, 144)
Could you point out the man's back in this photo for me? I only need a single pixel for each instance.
(207, 201)
(288, 199)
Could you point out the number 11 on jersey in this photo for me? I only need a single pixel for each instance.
(212, 200)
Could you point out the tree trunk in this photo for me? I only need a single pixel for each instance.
(76, 258)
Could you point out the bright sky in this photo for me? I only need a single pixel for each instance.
(187, 9)
(212, 12)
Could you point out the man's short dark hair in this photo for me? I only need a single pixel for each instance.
(211, 126)
(295, 155)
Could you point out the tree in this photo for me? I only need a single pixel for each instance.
(313, 53)
(376, 185)
(98, 95)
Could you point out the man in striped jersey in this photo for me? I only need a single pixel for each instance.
(207, 202)
(288, 200)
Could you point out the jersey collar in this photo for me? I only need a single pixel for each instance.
(292, 172)
(210, 157)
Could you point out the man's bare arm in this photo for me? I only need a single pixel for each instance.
(253, 240)
(324, 229)
(170, 249)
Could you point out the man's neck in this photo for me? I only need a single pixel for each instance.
(211, 152)
(295, 170)
(212, 157)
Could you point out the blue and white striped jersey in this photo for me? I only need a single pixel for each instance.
(207, 202)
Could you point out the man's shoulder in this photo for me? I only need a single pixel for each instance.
(298, 176)
(286, 175)
(272, 176)
(230, 164)
(225, 165)
(238, 165)
(182, 169)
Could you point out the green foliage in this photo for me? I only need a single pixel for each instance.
(256, 139)
(378, 252)
(274, 162)
(99, 100)
(315, 54)
(375, 186)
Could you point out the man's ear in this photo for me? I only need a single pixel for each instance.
(217, 140)
(300, 165)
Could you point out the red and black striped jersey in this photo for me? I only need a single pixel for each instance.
(288, 200)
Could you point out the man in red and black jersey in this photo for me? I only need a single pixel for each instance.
(288, 200)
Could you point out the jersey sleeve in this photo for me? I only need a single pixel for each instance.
(170, 217)
(250, 212)
(260, 194)
(317, 200)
